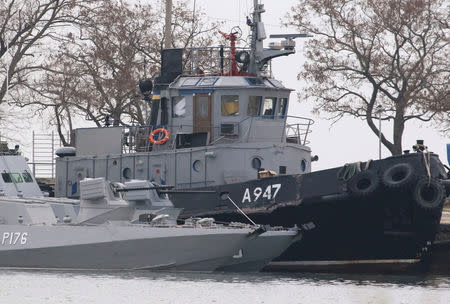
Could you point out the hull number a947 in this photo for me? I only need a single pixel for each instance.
(252, 195)
(14, 238)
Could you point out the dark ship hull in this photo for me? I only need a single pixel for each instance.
(382, 215)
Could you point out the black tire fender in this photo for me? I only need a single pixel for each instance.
(363, 183)
(429, 194)
(399, 175)
(446, 184)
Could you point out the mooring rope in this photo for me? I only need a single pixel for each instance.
(243, 213)
(427, 161)
(350, 169)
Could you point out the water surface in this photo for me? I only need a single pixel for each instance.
(189, 287)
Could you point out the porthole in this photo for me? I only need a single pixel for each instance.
(126, 173)
(256, 163)
(114, 162)
(303, 165)
(196, 165)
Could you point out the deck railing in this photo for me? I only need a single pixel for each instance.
(44, 146)
(271, 129)
(298, 129)
(208, 61)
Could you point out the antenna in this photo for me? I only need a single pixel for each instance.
(288, 43)
(193, 23)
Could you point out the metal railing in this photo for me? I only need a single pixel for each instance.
(281, 128)
(135, 138)
(208, 60)
(44, 146)
(298, 132)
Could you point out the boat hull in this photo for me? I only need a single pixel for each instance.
(131, 247)
(386, 224)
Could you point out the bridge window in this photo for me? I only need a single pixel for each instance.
(6, 177)
(230, 105)
(207, 81)
(269, 106)
(282, 107)
(178, 106)
(254, 105)
(255, 81)
(27, 177)
(17, 177)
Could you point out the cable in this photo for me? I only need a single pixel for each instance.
(239, 209)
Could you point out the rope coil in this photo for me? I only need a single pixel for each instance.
(350, 169)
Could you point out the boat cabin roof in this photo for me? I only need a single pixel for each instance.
(16, 178)
(219, 82)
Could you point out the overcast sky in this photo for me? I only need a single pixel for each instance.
(348, 140)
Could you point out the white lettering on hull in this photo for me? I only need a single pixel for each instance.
(14, 238)
(270, 192)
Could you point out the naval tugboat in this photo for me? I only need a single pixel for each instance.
(219, 128)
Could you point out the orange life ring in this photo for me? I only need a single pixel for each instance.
(166, 137)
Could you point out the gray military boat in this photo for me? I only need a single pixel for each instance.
(119, 226)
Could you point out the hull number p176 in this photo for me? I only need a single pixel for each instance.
(252, 195)
(14, 238)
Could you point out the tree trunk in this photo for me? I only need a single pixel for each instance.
(399, 127)
(59, 127)
(370, 122)
(116, 119)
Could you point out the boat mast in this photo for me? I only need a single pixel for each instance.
(260, 57)
(168, 26)
(258, 35)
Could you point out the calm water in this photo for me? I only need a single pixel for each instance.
(159, 287)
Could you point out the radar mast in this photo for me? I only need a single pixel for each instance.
(260, 57)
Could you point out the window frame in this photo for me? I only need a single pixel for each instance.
(27, 177)
(8, 180)
(258, 111)
(281, 101)
(233, 101)
(17, 178)
(274, 107)
(172, 100)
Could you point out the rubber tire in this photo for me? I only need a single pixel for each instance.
(363, 184)
(389, 176)
(438, 195)
(446, 184)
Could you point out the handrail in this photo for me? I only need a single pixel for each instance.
(209, 60)
(294, 130)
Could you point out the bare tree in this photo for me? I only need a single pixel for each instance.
(95, 72)
(386, 54)
(25, 26)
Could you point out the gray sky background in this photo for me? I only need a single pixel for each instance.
(348, 140)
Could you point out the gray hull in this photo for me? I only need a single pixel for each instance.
(261, 250)
(135, 231)
(134, 247)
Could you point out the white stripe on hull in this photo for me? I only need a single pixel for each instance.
(346, 262)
